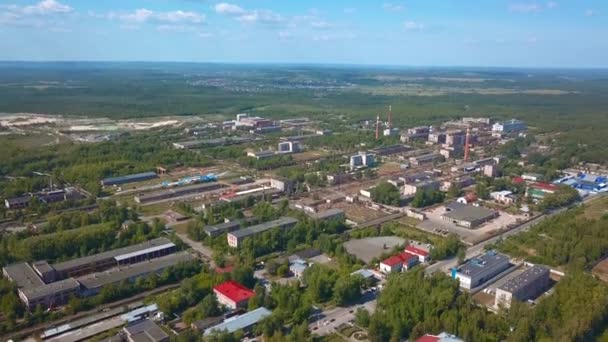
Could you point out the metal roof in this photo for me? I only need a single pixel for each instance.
(66, 265)
(222, 227)
(327, 214)
(117, 274)
(240, 322)
(146, 330)
(469, 213)
(485, 261)
(23, 275)
(144, 251)
(279, 223)
(49, 289)
(129, 178)
(530, 275)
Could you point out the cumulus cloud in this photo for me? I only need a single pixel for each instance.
(47, 7)
(413, 26)
(144, 15)
(261, 16)
(38, 14)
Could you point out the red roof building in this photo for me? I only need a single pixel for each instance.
(421, 253)
(399, 262)
(232, 294)
(517, 180)
(544, 186)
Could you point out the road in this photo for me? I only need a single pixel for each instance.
(343, 315)
(205, 252)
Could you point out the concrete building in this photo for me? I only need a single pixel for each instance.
(289, 147)
(468, 216)
(237, 237)
(528, 285)
(329, 214)
(138, 177)
(491, 170)
(363, 159)
(509, 126)
(188, 190)
(425, 159)
(145, 331)
(244, 322)
(504, 197)
(455, 138)
(399, 263)
(259, 155)
(416, 134)
(437, 137)
(412, 189)
(532, 177)
(423, 256)
(232, 294)
(221, 228)
(283, 184)
(480, 269)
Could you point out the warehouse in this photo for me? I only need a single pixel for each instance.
(219, 229)
(49, 295)
(138, 177)
(390, 150)
(232, 294)
(468, 216)
(243, 322)
(121, 256)
(177, 192)
(329, 214)
(480, 269)
(236, 237)
(528, 285)
(94, 282)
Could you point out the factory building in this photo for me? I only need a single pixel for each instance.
(467, 216)
(244, 322)
(416, 134)
(399, 263)
(232, 294)
(362, 159)
(177, 192)
(283, 184)
(289, 147)
(219, 229)
(509, 126)
(138, 177)
(329, 214)
(455, 138)
(528, 285)
(45, 197)
(236, 237)
(390, 150)
(480, 269)
(423, 185)
(259, 155)
(425, 159)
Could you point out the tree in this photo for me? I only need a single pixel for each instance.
(244, 276)
(362, 317)
(454, 191)
(386, 193)
(427, 197)
(347, 289)
(482, 191)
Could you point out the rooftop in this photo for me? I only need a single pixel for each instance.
(415, 250)
(49, 289)
(283, 221)
(544, 186)
(221, 227)
(234, 291)
(146, 331)
(488, 260)
(365, 273)
(327, 214)
(469, 213)
(240, 322)
(117, 274)
(62, 266)
(23, 275)
(129, 178)
(522, 280)
(403, 257)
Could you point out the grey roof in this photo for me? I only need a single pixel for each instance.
(118, 274)
(18, 200)
(365, 273)
(254, 195)
(485, 261)
(470, 213)
(62, 266)
(327, 214)
(42, 266)
(23, 275)
(146, 331)
(180, 191)
(129, 178)
(49, 289)
(151, 249)
(297, 267)
(307, 253)
(215, 141)
(267, 153)
(281, 222)
(222, 227)
(530, 275)
(240, 322)
(454, 205)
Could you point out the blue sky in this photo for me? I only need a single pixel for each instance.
(410, 32)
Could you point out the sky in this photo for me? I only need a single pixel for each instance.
(501, 33)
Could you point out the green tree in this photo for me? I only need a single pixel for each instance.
(386, 193)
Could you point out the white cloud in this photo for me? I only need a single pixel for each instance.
(47, 7)
(413, 26)
(393, 7)
(143, 15)
(589, 12)
(525, 7)
(229, 9)
(261, 16)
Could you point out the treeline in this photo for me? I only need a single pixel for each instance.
(87, 164)
(565, 239)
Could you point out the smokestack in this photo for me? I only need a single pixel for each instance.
(390, 117)
(466, 145)
(378, 127)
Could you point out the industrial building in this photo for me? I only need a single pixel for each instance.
(138, 177)
(362, 159)
(283, 184)
(145, 331)
(221, 228)
(399, 263)
(538, 191)
(509, 126)
(390, 150)
(527, 285)
(329, 214)
(423, 185)
(232, 294)
(416, 134)
(53, 285)
(425, 159)
(423, 255)
(223, 141)
(505, 197)
(289, 146)
(177, 192)
(455, 138)
(480, 269)
(45, 197)
(237, 237)
(259, 155)
(244, 322)
(468, 216)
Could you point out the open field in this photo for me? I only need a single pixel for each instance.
(596, 208)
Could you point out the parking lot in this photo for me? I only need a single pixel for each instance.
(368, 248)
(436, 225)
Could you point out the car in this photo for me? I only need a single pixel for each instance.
(332, 320)
(351, 311)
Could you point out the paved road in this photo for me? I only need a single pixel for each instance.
(203, 251)
(323, 324)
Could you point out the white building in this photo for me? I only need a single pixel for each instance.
(509, 126)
